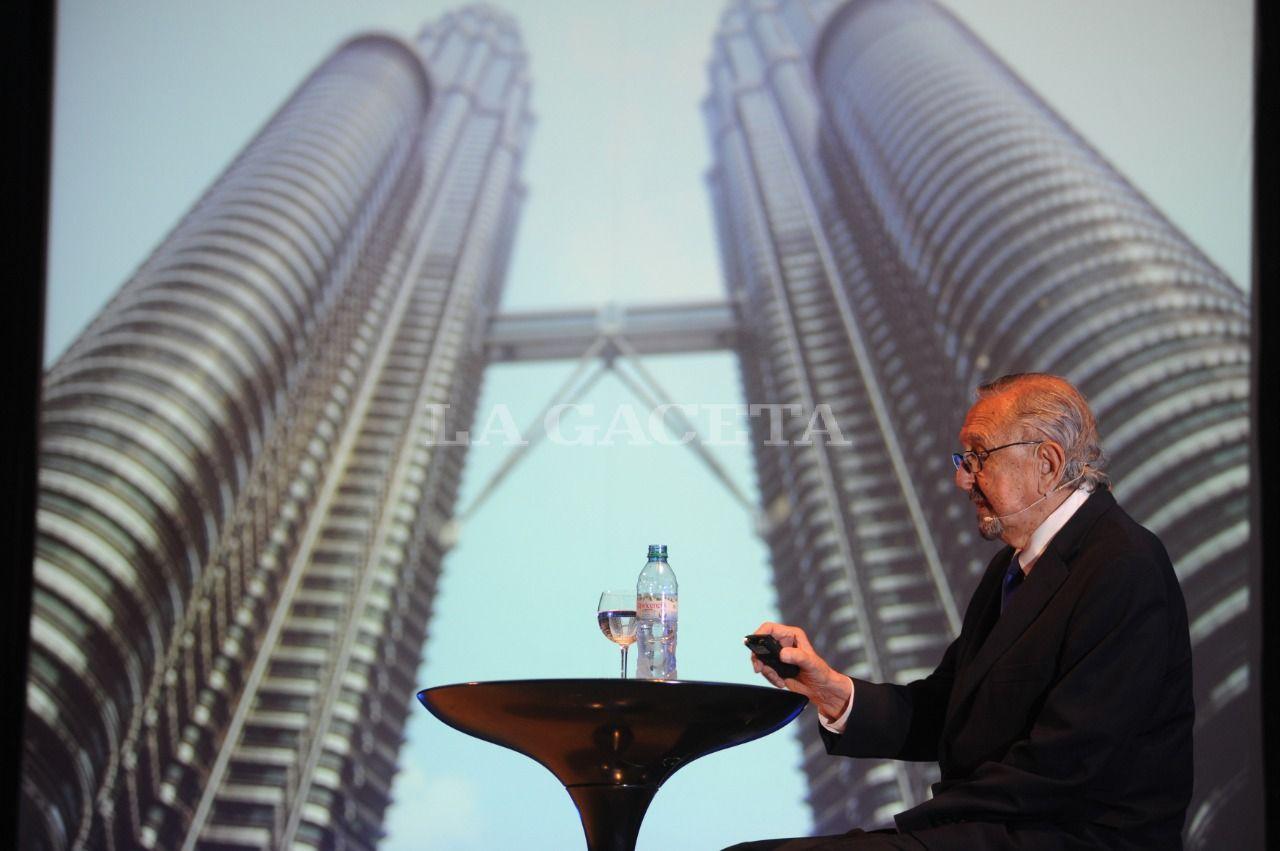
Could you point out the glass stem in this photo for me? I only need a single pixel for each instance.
(624, 661)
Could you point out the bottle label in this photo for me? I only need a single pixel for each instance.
(657, 608)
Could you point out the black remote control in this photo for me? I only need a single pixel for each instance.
(767, 648)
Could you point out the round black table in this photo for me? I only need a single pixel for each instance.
(612, 743)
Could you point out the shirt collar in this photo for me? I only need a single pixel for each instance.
(1051, 525)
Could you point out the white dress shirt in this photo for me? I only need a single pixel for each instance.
(1027, 557)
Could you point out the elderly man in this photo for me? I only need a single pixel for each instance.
(1061, 716)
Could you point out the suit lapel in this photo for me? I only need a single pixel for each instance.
(1036, 592)
(986, 607)
(1044, 580)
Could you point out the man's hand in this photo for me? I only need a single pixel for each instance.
(829, 690)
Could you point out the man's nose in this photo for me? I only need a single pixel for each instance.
(964, 479)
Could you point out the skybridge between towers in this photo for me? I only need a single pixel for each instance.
(643, 329)
(611, 338)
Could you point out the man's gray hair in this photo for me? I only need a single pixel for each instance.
(1051, 407)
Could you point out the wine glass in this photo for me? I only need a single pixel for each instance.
(616, 616)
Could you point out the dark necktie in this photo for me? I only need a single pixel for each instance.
(1012, 579)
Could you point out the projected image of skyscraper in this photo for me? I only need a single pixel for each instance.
(900, 219)
(241, 502)
(243, 510)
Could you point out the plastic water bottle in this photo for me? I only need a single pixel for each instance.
(657, 612)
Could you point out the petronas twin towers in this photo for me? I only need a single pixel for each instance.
(243, 512)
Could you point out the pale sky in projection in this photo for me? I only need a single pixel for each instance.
(155, 98)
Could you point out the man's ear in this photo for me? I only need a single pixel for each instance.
(1052, 460)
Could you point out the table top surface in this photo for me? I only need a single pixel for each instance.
(613, 731)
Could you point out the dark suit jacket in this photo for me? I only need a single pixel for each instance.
(1066, 721)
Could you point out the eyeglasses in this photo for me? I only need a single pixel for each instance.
(972, 461)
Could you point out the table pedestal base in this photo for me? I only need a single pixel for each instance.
(611, 815)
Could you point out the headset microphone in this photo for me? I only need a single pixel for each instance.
(989, 518)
